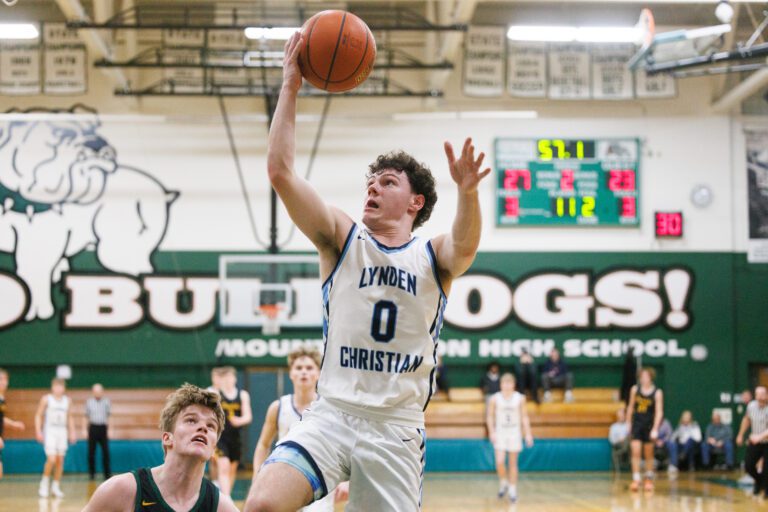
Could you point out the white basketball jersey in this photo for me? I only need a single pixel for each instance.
(383, 309)
(287, 415)
(56, 412)
(508, 411)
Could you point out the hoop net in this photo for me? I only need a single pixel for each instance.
(271, 314)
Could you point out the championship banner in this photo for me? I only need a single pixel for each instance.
(484, 61)
(569, 72)
(611, 79)
(65, 70)
(527, 70)
(660, 85)
(757, 193)
(20, 69)
(183, 38)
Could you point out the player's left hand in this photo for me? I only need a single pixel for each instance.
(465, 170)
(72, 439)
(654, 434)
(342, 492)
(529, 441)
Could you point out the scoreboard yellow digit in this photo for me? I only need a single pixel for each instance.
(567, 182)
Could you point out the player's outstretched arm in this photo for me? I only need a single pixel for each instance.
(118, 494)
(456, 250)
(268, 433)
(322, 224)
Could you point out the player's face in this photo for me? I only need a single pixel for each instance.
(508, 385)
(3, 382)
(229, 380)
(645, 379)
(57, 388)
(195, 433)
(388, 197)
(304, 373)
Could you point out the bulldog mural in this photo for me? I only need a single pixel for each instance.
(62, 191)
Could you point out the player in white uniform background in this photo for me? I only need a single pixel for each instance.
(384, 293)
(55, 428)
(507, 424)
(284, 413)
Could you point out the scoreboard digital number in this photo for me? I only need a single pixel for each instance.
(567, 182)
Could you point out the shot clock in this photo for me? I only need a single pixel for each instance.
(669, 224)
(567, 182)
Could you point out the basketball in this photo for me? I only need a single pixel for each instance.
(339, 51)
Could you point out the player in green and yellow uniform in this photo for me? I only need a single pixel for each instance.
(192, 421)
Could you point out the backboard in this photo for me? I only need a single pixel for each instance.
(270, 291)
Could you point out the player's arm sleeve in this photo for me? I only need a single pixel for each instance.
(117, 494)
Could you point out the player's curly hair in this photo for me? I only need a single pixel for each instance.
(419, 176)
(185, 396)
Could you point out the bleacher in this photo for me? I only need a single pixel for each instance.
(588, 417)
(135, 412)
(569, 436)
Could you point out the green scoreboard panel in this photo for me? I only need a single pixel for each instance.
(567, 182)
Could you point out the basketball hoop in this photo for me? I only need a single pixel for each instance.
(271, 320)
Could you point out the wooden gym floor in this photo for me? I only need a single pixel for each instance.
(476, 492)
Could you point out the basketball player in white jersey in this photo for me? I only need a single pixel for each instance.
(55, 428)
(284, 413)
(507, 424)
(384, 293)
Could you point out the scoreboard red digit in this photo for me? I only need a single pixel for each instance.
(669, 224)
(562, 182)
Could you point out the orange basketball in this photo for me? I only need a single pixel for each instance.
(338, 51)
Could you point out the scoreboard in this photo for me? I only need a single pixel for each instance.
(567, 182)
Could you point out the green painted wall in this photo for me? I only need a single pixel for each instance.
(727, 301)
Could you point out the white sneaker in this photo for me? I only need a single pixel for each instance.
(502, 491)
(56, 490)
(569, 396)
(547, 396)
(43, 490)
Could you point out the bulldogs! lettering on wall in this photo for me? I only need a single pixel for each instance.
(627, 299)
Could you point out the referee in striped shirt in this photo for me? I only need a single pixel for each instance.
(756, 419)
(97, 411)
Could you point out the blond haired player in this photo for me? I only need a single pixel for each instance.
(507, 424)
(191, 423)
(645, 411)
(236, 403)
(384, 294)
(55, 428)
(284, 413)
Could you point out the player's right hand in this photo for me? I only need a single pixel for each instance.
(39, 436)
(291, 72)
(493, 437)
(739, 440)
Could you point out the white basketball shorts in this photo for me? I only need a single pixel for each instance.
(383, 462)
(55, 441)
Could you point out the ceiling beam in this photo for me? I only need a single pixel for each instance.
(461, 12)
(733, 98)
(97, 47)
